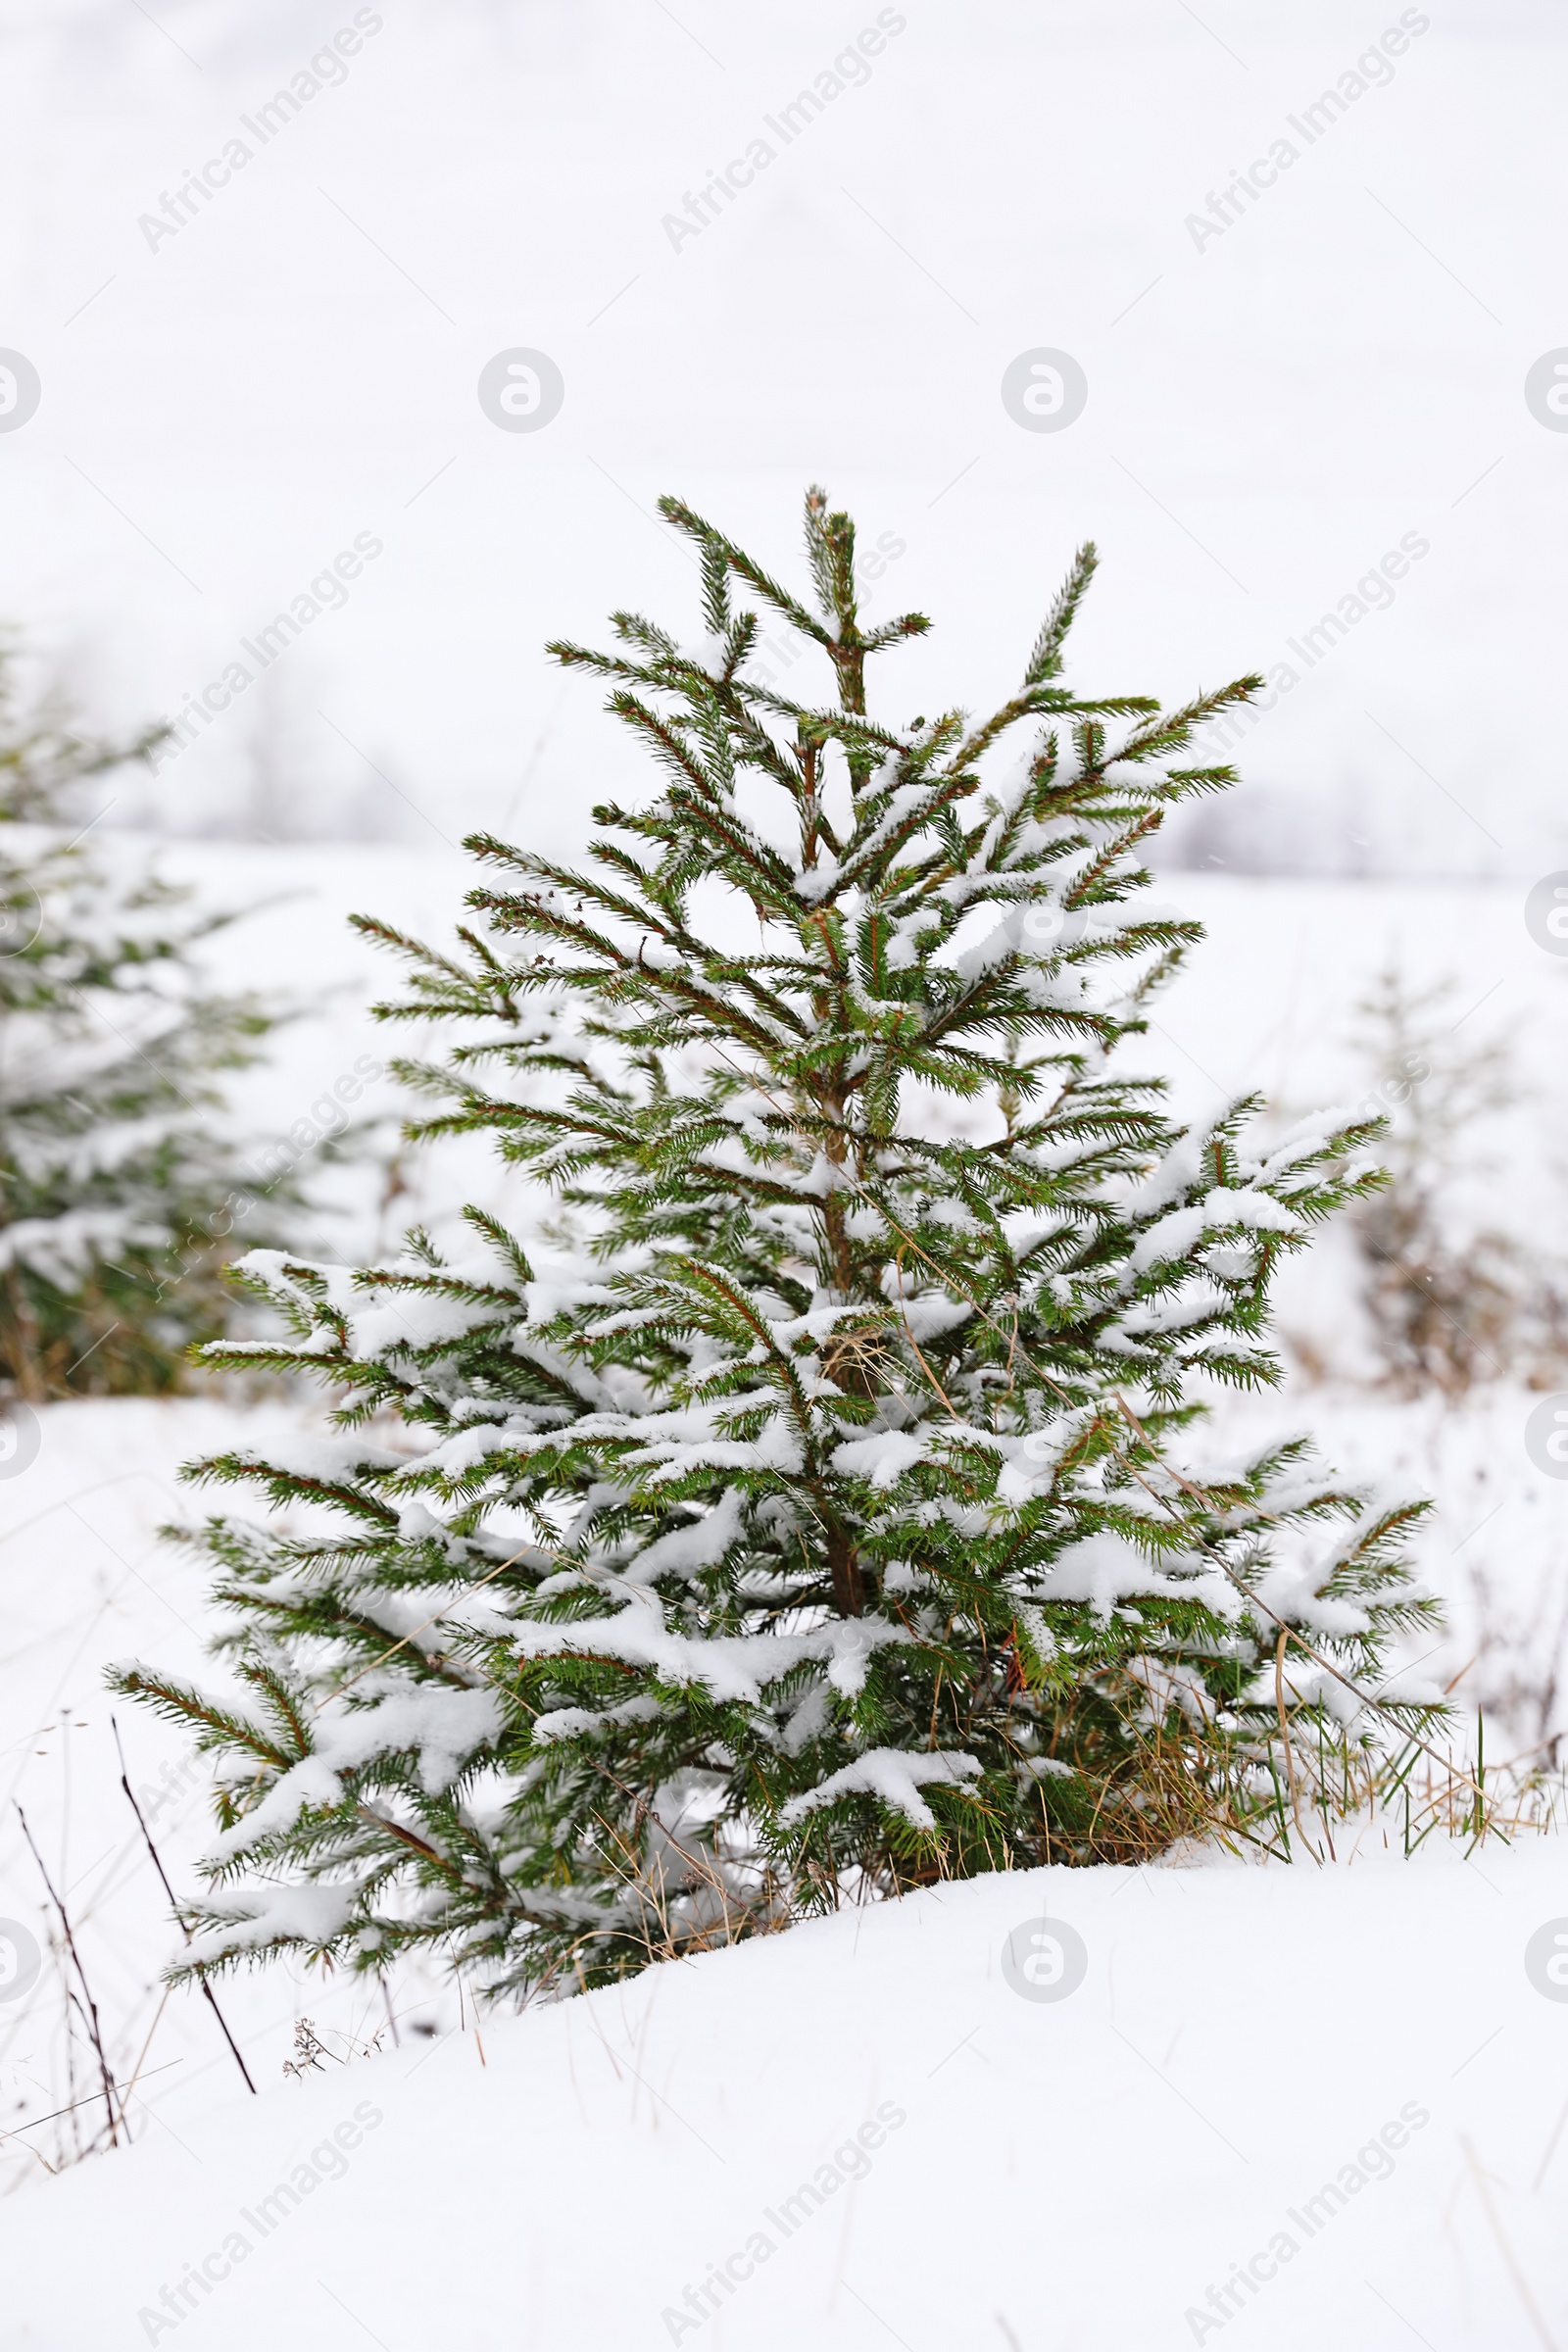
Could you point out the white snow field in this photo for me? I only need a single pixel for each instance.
(1282, 2108)
(230, 403)
(1071, 2173)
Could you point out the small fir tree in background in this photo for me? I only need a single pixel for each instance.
(116, 1191)
(799, 1510)
(1453, 1300)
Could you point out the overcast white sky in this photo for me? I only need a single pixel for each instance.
(1271, 409)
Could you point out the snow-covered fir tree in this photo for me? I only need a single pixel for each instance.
(801, 1506)
(118, 1196)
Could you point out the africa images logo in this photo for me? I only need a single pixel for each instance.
(20, 390)
(1045, 390)
(19, 1960)
(1547, 1960)
(1045, 1960)
(1373, 2161)
(21, 1438)
(326, 69)
(521, 390)
(1546, 1435)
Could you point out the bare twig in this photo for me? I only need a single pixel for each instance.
(211, 1998)
(16, 2131)
(90, 2007)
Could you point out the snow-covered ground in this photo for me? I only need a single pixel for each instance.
(1280, 2108)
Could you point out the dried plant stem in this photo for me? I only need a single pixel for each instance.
(147, 1835)
(90, 2007)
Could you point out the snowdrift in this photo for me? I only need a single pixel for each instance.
(1283, 2107)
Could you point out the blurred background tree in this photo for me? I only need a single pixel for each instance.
(119, 1191)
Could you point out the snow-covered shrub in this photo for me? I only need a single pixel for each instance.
(118, 1191)
(809, 1513)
